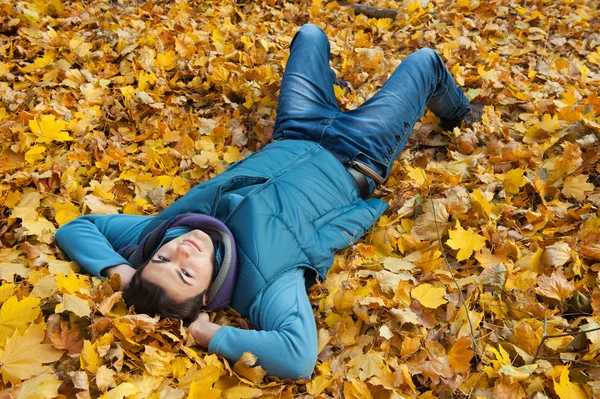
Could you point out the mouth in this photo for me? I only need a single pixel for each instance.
(193, 244)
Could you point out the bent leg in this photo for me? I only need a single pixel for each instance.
(380, 127)
(306, 99)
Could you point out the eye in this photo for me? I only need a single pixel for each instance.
(185, 273)
(163, 259)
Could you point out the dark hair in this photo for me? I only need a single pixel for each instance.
(151, 299)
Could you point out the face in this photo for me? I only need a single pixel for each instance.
(183, 267)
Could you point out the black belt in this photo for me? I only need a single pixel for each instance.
(361, 181)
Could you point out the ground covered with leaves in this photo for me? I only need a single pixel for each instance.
(480, 281)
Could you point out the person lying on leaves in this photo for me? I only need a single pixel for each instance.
(257, 235)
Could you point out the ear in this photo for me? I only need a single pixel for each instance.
(205, 300)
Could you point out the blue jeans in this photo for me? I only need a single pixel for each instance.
(375, 133)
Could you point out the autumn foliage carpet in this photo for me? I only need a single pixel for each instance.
(480, 281)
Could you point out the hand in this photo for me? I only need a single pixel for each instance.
(203, 330)
(125, 271)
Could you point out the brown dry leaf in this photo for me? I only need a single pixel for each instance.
(432, 222)
(460, 355)
(556, 255)
(591, 251)
(555, 286)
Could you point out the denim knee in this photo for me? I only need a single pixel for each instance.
(311, 33)
(425, 55)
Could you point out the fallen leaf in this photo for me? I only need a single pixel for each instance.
(565, 389)
(429, 296)
(577, 187)
(466, 241)
(24, 355)
(17, 315)
(247, 368)
(555, 286)
(460, 355)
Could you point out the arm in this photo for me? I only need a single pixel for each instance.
(92, 240)
(286, 346)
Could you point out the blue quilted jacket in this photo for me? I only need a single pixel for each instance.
(289, 207)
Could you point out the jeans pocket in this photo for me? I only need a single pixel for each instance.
(379, 166)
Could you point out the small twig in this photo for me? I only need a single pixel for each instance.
(462, 298)
(569, 361)
(371, 11)
(491, 305)
(545, 337)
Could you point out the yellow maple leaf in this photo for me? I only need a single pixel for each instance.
(417, 175)
(203, 389)
(502, 357)
(218, 75)
(167, 61)
(429, 296)
(38, 227)
(129, 93)
(247, 368)
(8, 270)
(65, 212)
(157, 362)
(356, 389)
(40, 62)
(480, 198)
(72, 283)
(34, 154)
(6, 291)
(89, 358)
(44, 287)
(315, 8)
(241, 391)
(80, 46)
(339, 92)
(318, 383)
(549, 123)
(565, 389)
(517, 373)
(72, 303)
(145, 80)
(577, 187)
(123, 390)
(384, 23)
(49, 129)
(16, 315)
(24, 355)
(514, 180)
(466, 241)
(232, 155)
(41, 387)
(366, 366)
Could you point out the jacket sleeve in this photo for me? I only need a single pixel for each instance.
(286, 343)
(92, 240)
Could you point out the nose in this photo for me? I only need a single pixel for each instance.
(184, 250)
